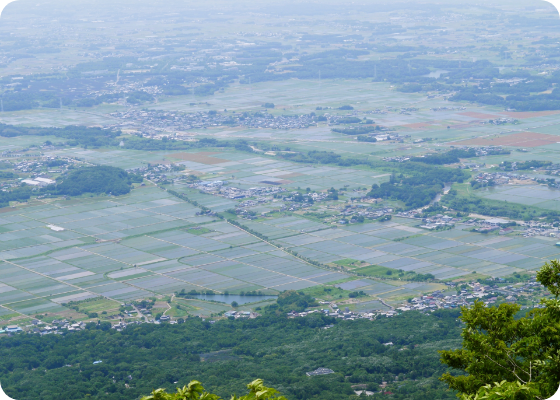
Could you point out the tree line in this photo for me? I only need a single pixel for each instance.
(272, 347)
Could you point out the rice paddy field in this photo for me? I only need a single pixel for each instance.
(530, 195)
(133, 247)
(143, 245)
(400, 245)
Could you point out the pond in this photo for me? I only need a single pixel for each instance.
(233, 297)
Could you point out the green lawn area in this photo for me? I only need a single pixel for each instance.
(98, 305)
(327, 293)
(198, 230)
(179, 310)
(376, 270)
(7, 317)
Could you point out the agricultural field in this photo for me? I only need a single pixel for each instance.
(134, 247)
(399, 81)
(398, 245)
(152, 244)
(531, 195)
(138, 246)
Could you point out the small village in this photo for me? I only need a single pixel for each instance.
(152, 123)
(465, 295)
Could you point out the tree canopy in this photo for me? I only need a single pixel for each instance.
(229, 353)
(507, 357)
(98, 179)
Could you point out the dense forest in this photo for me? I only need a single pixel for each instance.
(413, 191)
(419, 186)
(18, 194)
(98, 179)
(226, 354)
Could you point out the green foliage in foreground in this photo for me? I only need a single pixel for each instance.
(507, 357)
(228, 353)
(195, 391)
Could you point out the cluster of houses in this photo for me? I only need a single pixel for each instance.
(41, 328)
(154, 173)
(218, 188)
(488, 225)
(436, 300)
(380, 137)
(125, 87)
(465, 295)
(396, 159)
(475, 290)
(487, 150)
(161, 120)
(39, 170)
(352, 213)
(448, 109)
(553, 169)
(336, 313)
(407, 110)
(540, 229)
(41, 166)
(503, 121)
(439, 221)
(60, 327)
(241, 314)
(500, 178)
(530, 228)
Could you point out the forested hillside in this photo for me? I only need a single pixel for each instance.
(228, 354)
